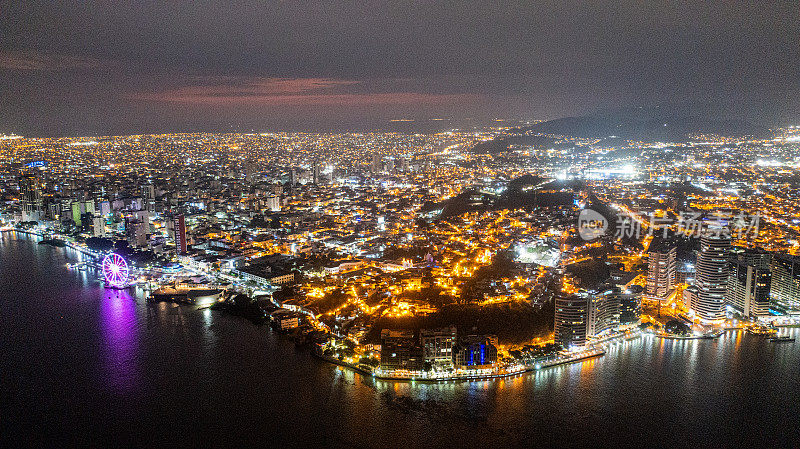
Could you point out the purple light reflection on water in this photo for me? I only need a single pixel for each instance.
(118, 326)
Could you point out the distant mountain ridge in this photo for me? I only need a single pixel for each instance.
(501, 144)
(647, 124)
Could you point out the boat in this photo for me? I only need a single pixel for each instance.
(781, 339)
(761, 330)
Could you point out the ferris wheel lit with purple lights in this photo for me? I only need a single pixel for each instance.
(115, 270)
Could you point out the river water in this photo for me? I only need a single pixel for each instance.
(84, 365)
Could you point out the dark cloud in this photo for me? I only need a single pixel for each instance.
(30, 60)
(288, 92)
(149, 66)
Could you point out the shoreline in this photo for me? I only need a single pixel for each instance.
(692, 337)
(68, 243)
(596, 352)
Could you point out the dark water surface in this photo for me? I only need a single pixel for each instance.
(89, 366)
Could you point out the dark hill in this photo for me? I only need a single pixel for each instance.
(502, 144)
(530, 191)
(469, 200)
(647, 124)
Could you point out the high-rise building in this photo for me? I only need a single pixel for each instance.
(77, 211)
(54, 211)
(661, 272)
(749, 280)
(30, 192)
(179, 226)
(88, 207)
(785, 286)
(98, 226)
(711, 275)
(87, 223)
(105, 208)
(316, 172)
(400, 350)
(136, 233)
(250, 170)
(475, 351)
(149, 196)
(571, 320)
(274, 203)
(689, 296)
(148, 191)
(377, 163)
(603, 313)
(630, 305)
(137, 203)
(438, 345)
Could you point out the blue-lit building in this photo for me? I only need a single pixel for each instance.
(475, 351)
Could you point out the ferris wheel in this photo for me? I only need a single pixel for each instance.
(115, 270)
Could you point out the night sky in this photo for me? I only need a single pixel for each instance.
(112, 67)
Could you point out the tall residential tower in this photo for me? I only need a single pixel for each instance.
(712, 275)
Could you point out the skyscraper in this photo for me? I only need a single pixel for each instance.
(438, 345)
(570, 320)
(273, 203)
(603, 312)
(30, 192)
(403, 164)
(377, 163)
(785, 287)
(148, 191)
(149, 196)
(630, 306)
(749, 280)
(179, 224)
(77, 211)
(316, 172)
(136, 233)
(661, 272)
(712, 275)
(98, 226)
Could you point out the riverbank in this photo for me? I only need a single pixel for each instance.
(689, 337)
(61, 242)
(422, 377)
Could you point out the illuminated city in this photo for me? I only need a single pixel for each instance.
(435, 265)
(350, 234)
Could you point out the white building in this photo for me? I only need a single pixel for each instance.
(712, 276)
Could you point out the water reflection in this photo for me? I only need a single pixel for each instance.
(118, 324)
